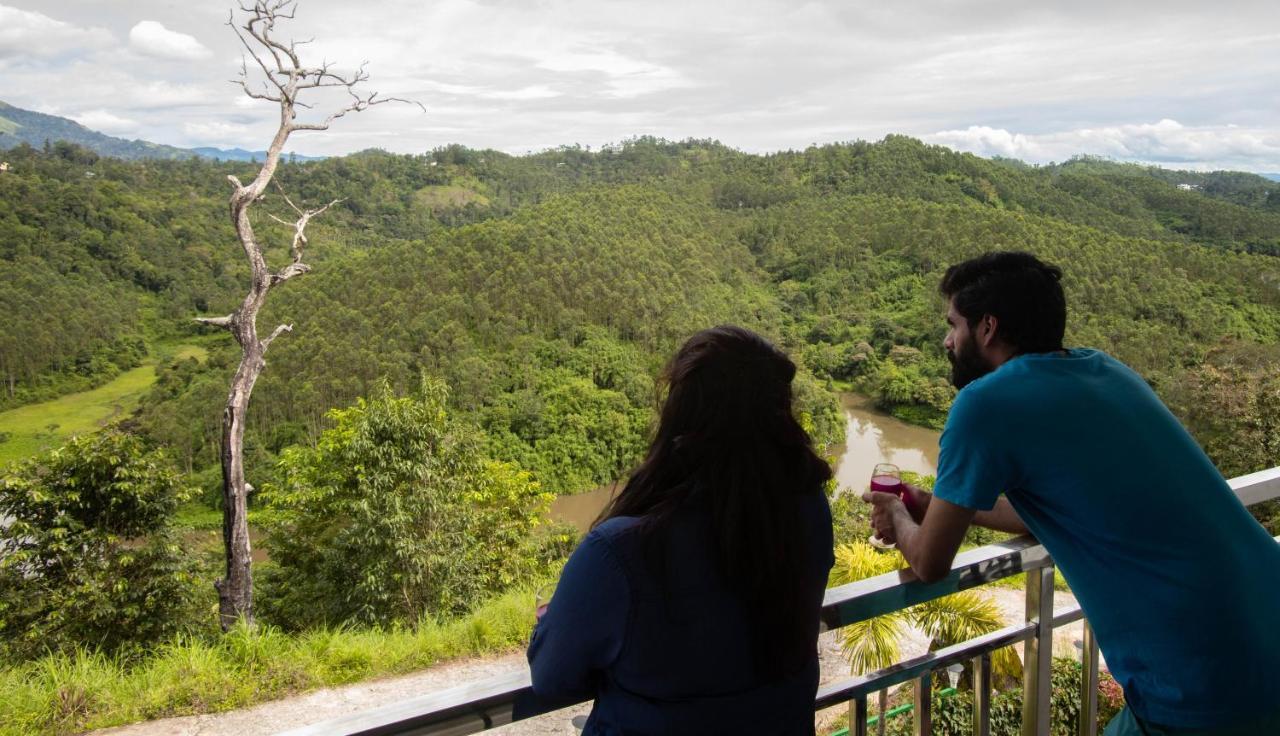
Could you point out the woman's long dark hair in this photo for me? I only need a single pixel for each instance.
(728, 433)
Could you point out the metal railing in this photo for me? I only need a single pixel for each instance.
(489, 703)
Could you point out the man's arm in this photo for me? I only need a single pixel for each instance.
(1001, 517)
(929, 548)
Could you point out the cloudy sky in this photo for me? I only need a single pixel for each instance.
(1181, 84)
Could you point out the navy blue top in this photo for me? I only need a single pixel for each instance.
(1179, 582)
(671, 653)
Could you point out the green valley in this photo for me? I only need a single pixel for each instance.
(482, 332)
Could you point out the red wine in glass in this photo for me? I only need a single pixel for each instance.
(886, 483)
(887, 478)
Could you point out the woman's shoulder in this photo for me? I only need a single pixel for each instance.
(814, 505)
(615, 527)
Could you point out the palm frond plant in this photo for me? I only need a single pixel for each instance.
(876, 643)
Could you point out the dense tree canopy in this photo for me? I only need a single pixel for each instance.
(549, 289)
(546, 292)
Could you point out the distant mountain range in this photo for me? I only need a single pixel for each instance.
(19, 126)
(33, 128)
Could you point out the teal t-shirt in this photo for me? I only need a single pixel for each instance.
(1180, 583)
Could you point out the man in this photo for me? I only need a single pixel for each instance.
(1180, 584)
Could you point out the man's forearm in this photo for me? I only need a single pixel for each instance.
(1001, 518)
(931, 546)
(905, 531)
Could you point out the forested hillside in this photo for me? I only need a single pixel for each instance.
(481, 332)
(546, 290)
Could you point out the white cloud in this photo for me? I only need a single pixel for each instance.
(1166, 142)
(105, 122)
(772, 74)
(153, 39)
(161, 95)
(530, 92)
(28, 34)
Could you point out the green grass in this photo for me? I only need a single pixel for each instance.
(442, 197)
(64, 694)
(195, 515)
(36, 427)
(182, 352)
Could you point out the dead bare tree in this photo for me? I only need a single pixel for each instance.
(284, 79)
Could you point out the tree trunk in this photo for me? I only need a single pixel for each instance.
(284, 77)
(235, 590)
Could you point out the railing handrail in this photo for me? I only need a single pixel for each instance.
(484, 704)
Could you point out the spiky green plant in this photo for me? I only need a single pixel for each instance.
(877, 643)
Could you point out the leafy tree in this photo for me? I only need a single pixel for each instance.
(1233, 399)
(396, 514)
(87, 557)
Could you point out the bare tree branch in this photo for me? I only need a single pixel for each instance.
(288, 201)
(244, 70)
(359, 105)
(216, 321)
(266, 341)
(289, 271)
(243, 82)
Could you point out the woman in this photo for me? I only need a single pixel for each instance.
(692, 605)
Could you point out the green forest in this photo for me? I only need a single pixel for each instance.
(494, 324)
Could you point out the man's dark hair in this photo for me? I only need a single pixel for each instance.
(1022, 292)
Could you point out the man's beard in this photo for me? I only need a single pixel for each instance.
(967, 365)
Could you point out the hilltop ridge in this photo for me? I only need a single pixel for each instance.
(18, 126)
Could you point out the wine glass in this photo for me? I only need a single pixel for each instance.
(885, 478)
(542, 599)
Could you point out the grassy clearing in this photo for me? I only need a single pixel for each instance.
(182, 352)
(64, 694)
(36, 427)
(195, 515)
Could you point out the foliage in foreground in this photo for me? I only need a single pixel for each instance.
(396, 511)
(87, 555)
(875, 643)
(953, 716)
(80, 690)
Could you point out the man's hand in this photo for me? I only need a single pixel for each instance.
(928, 546)
(917, 502)
(884, 507)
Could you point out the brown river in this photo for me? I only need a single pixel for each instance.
(870, 437)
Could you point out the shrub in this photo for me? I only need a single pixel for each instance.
(953, 716)
(87, 558)
(394, 514)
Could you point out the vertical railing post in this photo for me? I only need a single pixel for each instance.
(924, 705)
(1088, 725)
(982, 695)
(1038, 659)
(858, 716)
